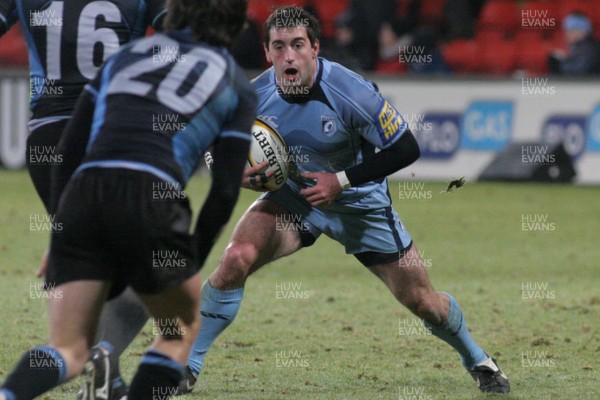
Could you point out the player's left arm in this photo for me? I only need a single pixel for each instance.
(399, 155)
(381, 125)
(229, 155)
(155, 14)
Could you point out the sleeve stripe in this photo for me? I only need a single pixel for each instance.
(3, 19)
(235, 134)
(160, 14)
(91, 90)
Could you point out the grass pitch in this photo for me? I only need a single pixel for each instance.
(521, 259)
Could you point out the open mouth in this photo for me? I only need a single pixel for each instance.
(291, 72)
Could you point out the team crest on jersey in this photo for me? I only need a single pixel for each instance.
(270, 119)
(390, 123)
(328, 125)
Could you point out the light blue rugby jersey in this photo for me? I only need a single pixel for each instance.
(342, 121)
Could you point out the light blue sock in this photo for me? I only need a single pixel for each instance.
(218, 310)
(455, 332)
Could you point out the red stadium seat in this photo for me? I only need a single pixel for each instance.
(530, 35)
(432, 12)
(328, 11)
(487, 35)
(589, 7)
(540, 15)
(390, 67)
(462, 56)
(500, 15)
(299, 3)
(259, 10)
(532, 56)
(558, 39)
(498, 57)
(13, 50)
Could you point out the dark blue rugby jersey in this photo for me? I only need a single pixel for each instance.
(69, 40)
(162, 101)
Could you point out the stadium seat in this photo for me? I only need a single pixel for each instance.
(432, 12)
(540, 16)
(328, 11)
(530, 35)
(487, 35)
(13, 50)
(497, 57)
(390, 67)
(558, 39)
(532, 56)
(501, 15)
(462, 56)
(259, 10)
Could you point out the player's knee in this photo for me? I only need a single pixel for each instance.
(237, 262)
(425, 307)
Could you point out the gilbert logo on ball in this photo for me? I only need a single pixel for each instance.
(267, 145)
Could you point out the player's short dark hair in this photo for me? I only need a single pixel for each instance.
(292, 17)
(217, 22)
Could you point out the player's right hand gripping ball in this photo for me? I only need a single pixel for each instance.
(268, 145)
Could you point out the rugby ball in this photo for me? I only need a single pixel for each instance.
(267, 145)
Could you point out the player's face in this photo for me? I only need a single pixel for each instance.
(292, 56)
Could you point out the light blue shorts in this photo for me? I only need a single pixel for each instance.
(373, 236)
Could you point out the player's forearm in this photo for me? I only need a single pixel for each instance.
(400, 155)
(229, 160)
(3, 27)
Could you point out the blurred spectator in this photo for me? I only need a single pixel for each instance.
(417, 53)
(341, 49)
(248, 49)
(391, 47)
(583, 57)
(429, 59)
(461, 17)
(13, 51)
(366, 21)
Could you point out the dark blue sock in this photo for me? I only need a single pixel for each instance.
(39, 370)
(157, 377)
(454, 331)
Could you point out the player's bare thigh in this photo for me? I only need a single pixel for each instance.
(255, 242)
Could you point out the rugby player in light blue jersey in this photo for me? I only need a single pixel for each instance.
(346, 139)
